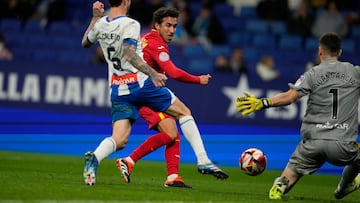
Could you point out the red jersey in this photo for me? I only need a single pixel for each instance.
(156, 55)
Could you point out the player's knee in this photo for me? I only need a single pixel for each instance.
(120, 143)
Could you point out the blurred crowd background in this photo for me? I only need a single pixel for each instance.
(269, 39)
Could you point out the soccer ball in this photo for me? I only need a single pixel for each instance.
(253, 161)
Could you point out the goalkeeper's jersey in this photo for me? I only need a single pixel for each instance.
(332, 107)
(123, 77)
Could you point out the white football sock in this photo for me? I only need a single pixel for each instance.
(192, 134)
(172, 177)
(105, 148)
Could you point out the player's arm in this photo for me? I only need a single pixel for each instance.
(178, 74)
(135, 60)
(98, 12)
(249, 103)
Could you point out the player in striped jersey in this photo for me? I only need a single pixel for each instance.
(129, 81)
(330, 125)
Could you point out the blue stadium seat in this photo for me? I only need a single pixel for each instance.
(231, 24)
(61, 28)
(34, 27)
(251, 54)
(38, 41)
(193, 51)
(266, 41)
(239, 39)
(355, 32)
(311, 44)
(290, 42)
(45, 55)
(74, 57)
(15, 39)
(256, 26)
(248, 12)
(10, 25)
(21, 54)
(201, 66)
(223, 9)
(62, 42)
(278, 28)
(348, 45)
(217, 50)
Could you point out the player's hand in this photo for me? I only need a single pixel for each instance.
(204, 79)
(98, 9)
(249, 103)
(159, 79)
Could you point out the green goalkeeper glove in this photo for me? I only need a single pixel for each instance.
(249, 103)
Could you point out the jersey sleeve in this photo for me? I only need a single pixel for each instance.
(304, 83)
(162, 58)
(132, 31)
(92, 36)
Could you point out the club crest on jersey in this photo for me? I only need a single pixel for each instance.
(300, 80)
(163, 56)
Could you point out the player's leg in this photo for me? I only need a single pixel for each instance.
(191, 132)
(152, 143)
(118, 140)
(172, 154)
(121, 131)
(284, 183)
(307, 158)
(350, 179)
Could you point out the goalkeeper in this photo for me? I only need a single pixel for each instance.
(330, 126)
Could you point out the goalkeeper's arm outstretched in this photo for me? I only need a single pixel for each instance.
(249, 103)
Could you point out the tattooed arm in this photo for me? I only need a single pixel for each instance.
(134, 59)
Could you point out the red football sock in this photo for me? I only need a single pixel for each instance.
(172, 156)
(151, 144)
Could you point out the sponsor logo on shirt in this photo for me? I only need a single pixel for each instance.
(123, 79)
(327, 125)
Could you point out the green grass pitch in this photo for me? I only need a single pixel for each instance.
(31, 177)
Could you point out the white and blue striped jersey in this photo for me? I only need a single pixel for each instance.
(123, 77)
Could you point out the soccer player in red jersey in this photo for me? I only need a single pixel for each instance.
(156, 54)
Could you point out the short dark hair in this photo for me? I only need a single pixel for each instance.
(164, 12)
(331, 42)
(114, 3)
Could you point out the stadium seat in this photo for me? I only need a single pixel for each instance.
(201, 66)
(251, 54)
(232, 24)
(239, 39)
(217, 50)
(278, 28)
(34, 27)
(62, 42)
(266, 41)
(355, 32)
(11, 25)
(45, 55)
(15, 39)
(290, 42)
(60, 28)
(223, 9)
(348, 45)
(193, 51)
(38, 41)
(256, 26)
(311, 44)
(248, 12)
